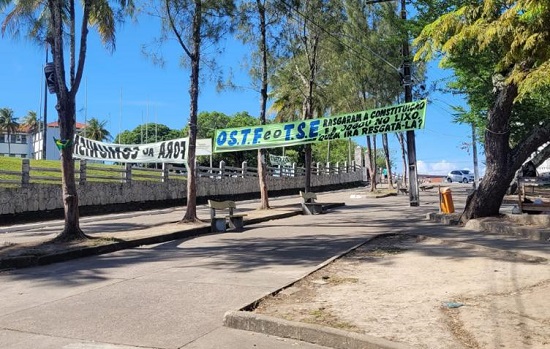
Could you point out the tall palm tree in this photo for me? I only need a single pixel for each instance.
(8, 123)
(96, 130)
(55, 22)
(31, 121)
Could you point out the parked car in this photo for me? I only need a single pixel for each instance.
(463, 176)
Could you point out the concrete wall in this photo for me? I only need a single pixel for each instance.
(40, 198)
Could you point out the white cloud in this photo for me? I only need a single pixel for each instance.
(438, 168)
(442, 167)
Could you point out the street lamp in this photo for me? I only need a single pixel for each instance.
(411, 141)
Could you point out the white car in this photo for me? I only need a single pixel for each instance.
(462, 176)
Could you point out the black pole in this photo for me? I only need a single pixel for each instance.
(411, 141)
(45, 126)
(474, 150)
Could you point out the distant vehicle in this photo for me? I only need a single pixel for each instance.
(462, 176)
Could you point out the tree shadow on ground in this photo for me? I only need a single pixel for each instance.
(285, 242)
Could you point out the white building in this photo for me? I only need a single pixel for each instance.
(17, 145)
(26, 144)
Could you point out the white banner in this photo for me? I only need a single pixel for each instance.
(277, 160)
(204, 147)
(172, 151)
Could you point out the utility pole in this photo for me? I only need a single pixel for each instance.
(474, 150)
(411, 141)
(45, 126)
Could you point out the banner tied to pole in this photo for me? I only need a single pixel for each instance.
(397, 118)
(171, 151)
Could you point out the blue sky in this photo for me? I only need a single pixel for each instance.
(127, 89)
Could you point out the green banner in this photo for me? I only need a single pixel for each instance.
(397, 118)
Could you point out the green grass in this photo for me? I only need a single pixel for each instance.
(14, 164)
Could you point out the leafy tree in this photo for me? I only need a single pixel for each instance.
(53, 22)
(209, 122)
(8, 124)
(31, 121)
(243, 119)
(96, 130)
(512, 38)
(260, 26)
(309, 41)
(333, 151)
(293, 155)
(152, 132)
(366, 73)
(287, 99)
(194, 24)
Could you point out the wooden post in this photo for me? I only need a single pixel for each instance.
(165, 173)
(128, 173)
(82, 173)
(222, 169)
(25, 172)
(244, 169)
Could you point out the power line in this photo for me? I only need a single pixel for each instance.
(351, 48)
(306, 18)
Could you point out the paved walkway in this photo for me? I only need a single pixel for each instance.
(174, 294)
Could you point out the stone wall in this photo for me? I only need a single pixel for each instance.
(37, 198)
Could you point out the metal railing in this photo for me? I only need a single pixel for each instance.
(93, 172)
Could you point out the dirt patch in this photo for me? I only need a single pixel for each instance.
(427, 293)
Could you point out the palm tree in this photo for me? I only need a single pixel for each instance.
(31, 121)
(96, 130)
(8, 123)
(55, 22)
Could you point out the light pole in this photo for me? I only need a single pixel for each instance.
(45, 126)
(411, 141)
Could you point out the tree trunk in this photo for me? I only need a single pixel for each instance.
(191, 212)
(312, 50)
(386, 147)
(71, 230)
(372, 162)
(308, 158)
(401, 138)
(486, 201)
(262, 168)
(66, 112)
(262, 174)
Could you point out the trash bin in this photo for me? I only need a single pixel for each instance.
(446, 201)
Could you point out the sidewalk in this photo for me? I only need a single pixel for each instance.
(174, 294)
(121, 231)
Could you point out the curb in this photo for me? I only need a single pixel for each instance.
(38, 260)
(316, 334)
(31, 261)
(245, 319)
(536, 233)
(444, 218)
(538, 228)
